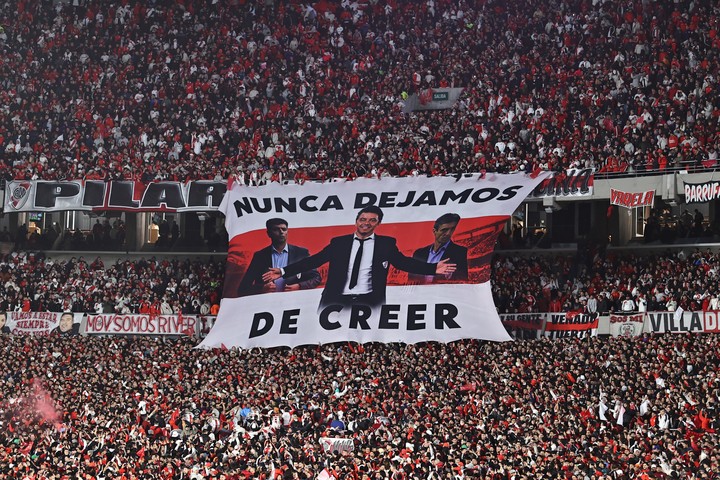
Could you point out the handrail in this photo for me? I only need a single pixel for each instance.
(644, 173)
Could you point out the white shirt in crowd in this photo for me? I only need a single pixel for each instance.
(628, 305)
(642, 304)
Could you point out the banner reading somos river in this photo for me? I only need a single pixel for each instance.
(424, 273)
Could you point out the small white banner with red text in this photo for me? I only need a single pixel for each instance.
(113, 324)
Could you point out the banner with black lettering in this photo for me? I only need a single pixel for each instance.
(425, 276)
(632, 200)
(141, 324)
(627, 325)
(40, 323)
(524, 326)
(702, 192)
(682, 322)
(121, 195)
(571, 324)
(573, 182)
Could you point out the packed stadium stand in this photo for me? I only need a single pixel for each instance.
(31, 282)
(523, 283)
(614, 282)
(266, 91)
(640, 408)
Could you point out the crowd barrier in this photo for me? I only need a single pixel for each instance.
(519, 325)
(66, 323)
(581, 325)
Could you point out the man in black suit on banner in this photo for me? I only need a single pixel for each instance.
(278, 254)
(443, 248)
(359, 264)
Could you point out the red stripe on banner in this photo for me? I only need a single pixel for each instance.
(478, 235)
(411, 236)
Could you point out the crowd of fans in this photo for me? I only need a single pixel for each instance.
(268, 90)
(126, 408)
(598, 281)
(31, 282)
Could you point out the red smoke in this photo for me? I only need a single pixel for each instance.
(44, 403)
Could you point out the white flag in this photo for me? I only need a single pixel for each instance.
(678, 314)
(603, 408)
(621, 414)
(645, 407)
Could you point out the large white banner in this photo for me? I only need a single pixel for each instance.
(40, 323)
(141, 324)
(425, 276)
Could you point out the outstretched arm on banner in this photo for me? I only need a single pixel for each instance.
(442, 268)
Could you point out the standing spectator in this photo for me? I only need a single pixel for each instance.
(21, 237)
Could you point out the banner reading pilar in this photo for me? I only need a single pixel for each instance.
(391, 260)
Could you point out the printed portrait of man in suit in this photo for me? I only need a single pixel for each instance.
(359, 264)
(443, 248)
(278, 254)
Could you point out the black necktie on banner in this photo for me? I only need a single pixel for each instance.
(356, 264)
